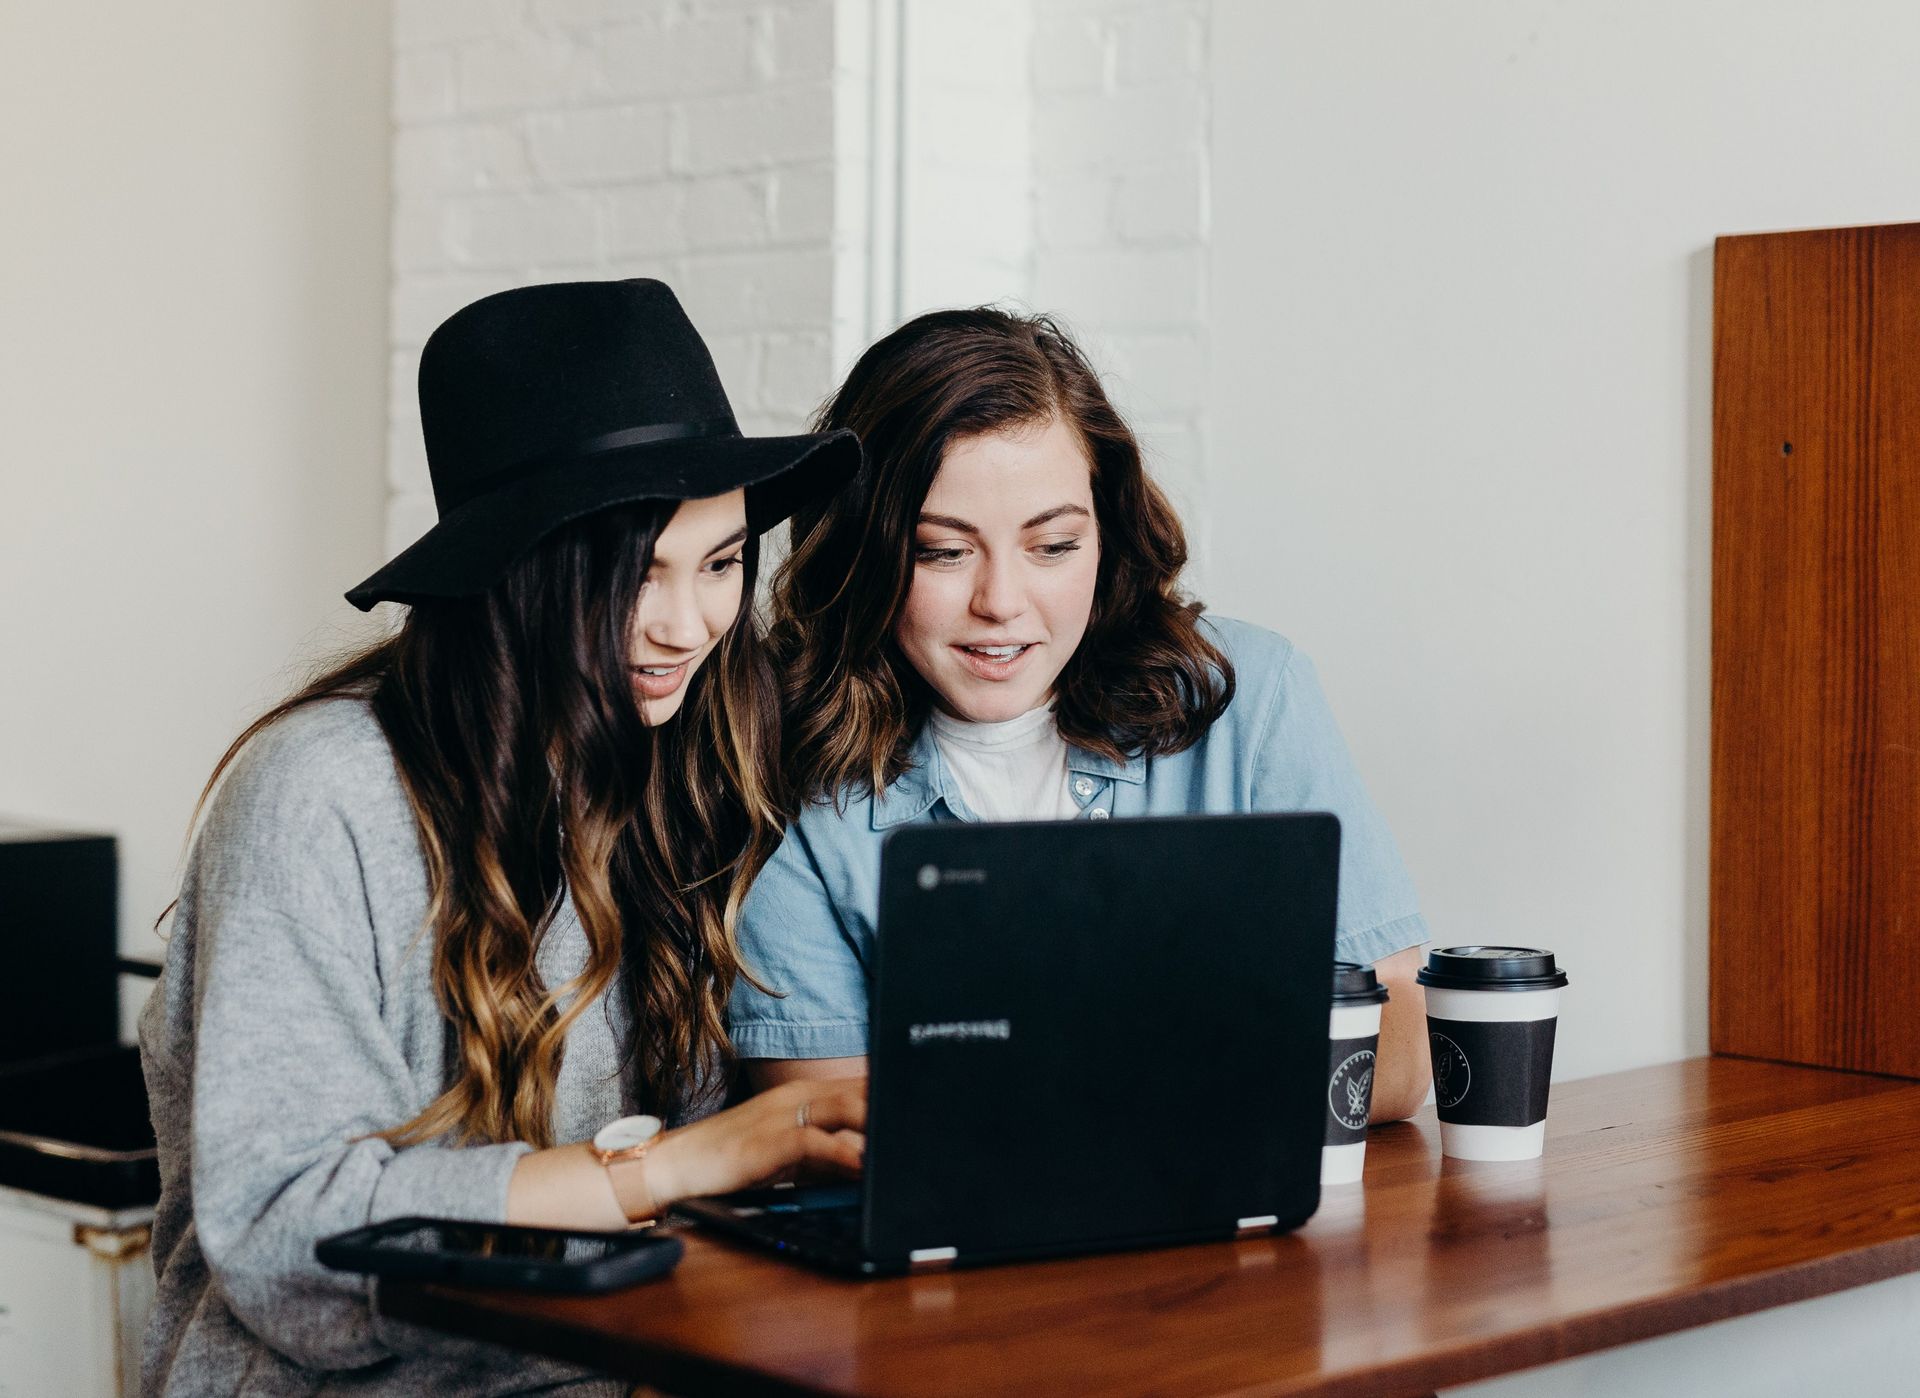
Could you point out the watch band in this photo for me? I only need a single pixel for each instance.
(628, 1175)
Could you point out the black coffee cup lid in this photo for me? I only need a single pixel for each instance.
(1354, 984)
(1491, 968)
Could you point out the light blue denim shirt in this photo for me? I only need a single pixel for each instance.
(808, 926)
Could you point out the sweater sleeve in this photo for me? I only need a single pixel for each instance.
(293, 1068)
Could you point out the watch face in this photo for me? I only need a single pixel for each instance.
(627, 1132)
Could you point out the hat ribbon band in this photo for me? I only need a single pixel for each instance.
(597, 446)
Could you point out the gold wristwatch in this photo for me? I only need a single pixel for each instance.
(622, 1147)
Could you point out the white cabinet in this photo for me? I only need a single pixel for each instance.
(76, 1284)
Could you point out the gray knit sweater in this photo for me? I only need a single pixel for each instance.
(297, 1015)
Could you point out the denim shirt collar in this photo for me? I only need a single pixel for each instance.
(927, 782)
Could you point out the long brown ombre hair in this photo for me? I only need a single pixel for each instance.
(1144, 680)
(531, 772)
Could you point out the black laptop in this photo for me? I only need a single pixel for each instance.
(1085, 1035)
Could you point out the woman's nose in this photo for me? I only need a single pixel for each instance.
(999, 596)
(670, 619)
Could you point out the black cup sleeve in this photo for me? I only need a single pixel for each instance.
(1350, 1088)
(1491, 1073)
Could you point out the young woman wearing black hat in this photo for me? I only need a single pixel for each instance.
(461, 909)
(988, 625)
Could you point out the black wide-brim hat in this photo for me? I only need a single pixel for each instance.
(545, 404)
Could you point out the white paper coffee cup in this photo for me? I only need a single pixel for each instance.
(1353, 1038)
(1492, 1013)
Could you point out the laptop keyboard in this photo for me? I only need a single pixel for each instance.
(837, 1227)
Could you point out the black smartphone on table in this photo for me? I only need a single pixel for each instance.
(492, 1254)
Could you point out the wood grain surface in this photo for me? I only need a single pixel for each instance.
(1816, 648)
(1668, 1197)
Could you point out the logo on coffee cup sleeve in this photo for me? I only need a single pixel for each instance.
(1452, 1074)
(1349, 1090)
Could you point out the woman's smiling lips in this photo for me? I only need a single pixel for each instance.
(996, 661)
(658, 681)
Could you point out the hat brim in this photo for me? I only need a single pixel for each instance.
(472, 547)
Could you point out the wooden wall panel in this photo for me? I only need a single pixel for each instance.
(1815, 879)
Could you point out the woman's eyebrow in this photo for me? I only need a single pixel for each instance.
(960, 525)
(1058, 510)
(739, 536)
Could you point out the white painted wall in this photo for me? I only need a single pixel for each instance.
(1121, 172)
(1863, 1343)
(966, 153)
(1461, 398)
(192, 377)
(1053, 156)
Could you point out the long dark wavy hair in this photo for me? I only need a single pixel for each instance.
(530, 771)
(1144, 679)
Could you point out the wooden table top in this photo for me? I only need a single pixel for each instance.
(1668, 1197)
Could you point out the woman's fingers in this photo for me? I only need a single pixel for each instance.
(833, 1106)
(840, 1151)
(816, 1123)
(798, 1124)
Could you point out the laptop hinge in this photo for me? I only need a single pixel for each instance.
(1259, 1224)
(932, 1259)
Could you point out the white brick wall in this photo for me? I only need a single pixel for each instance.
(967, 154)
(1056, 156)
(691, 140)
(806, 173)
(1120, 151)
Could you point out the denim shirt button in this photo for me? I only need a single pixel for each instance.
(1083, 787)
(1098, 813)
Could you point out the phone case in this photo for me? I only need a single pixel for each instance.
(638, 1257)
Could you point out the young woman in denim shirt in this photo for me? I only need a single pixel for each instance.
(987, 625)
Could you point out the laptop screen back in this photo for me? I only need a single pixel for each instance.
(1089, 1033)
